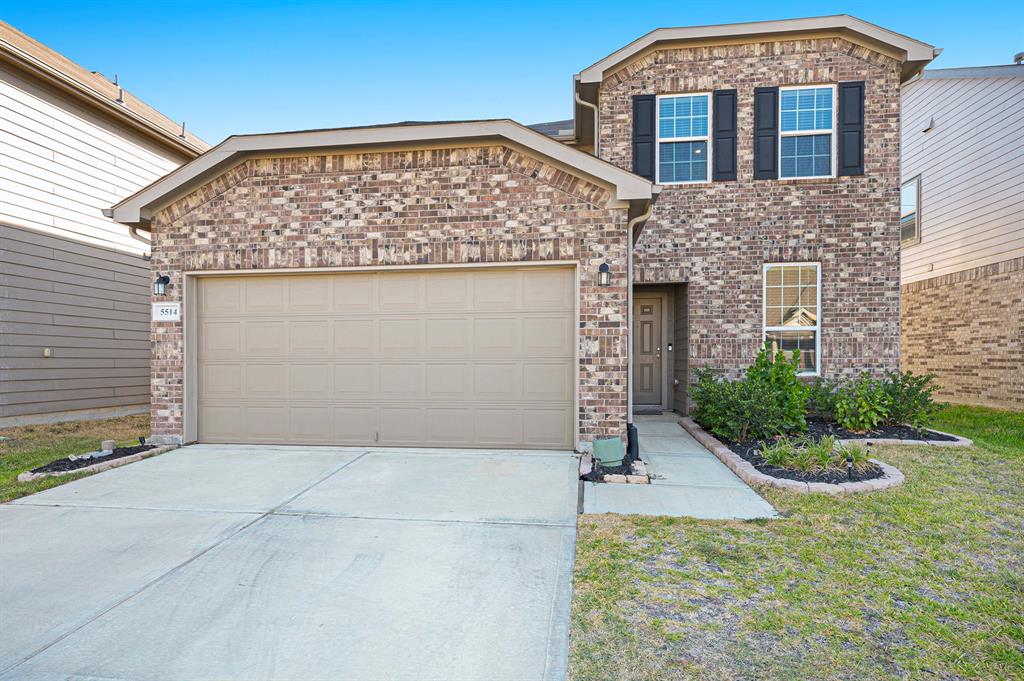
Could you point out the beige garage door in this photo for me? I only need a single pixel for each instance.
(443, 358)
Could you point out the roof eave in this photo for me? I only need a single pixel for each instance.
(137, 209)
(915, 52)
(54, 77)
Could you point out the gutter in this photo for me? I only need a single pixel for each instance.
(87, 95)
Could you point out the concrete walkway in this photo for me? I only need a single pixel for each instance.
(245, 562)
(687, 480)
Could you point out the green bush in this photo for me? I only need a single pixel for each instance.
(769, 401)
(807, 454)
(910, 398)
(821, 399)
(862, 403)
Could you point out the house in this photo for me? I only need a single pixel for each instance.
(74, 286)
(483, 284)
(962, 215)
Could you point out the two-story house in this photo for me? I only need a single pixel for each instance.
(74, 286)
(962, 215)
(482, 284)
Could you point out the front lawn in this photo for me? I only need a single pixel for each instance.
(32, 446)
(924, 581)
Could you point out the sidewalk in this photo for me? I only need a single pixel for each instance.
(686, 480)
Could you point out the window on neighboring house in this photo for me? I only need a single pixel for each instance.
(683, 138)
(910, 212)
(792, 294)
(806, 127)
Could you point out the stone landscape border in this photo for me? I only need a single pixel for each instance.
(750, 475)
(29, 476)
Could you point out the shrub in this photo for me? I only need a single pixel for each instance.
(821, 399)
(807, 454)
(910, 398)
(862, 404)
(778, 375)
(769, 401)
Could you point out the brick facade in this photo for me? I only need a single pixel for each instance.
(716, 236)
(967, 328)
(483, 204)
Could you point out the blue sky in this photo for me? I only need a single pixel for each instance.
(239, 67)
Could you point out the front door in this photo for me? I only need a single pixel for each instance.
(647, 374)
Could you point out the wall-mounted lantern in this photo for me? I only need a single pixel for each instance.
(160, 285)
(604, 275)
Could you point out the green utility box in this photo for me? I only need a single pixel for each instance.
(608, 451)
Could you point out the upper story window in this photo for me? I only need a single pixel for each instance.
(806, 131)
(792, 299)
(910, 211)
(683, 138)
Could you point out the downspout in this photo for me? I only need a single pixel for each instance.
(597, 137)
(133, 232)
(634, 228)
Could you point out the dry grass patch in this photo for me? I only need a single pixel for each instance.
(32, 446)
(923, 581)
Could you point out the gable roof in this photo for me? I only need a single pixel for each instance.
(913, 53)
(136, 210)
(94, 90)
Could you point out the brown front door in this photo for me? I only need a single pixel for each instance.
(647, 341)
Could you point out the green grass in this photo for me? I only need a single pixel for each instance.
(924, 581)
(31, 446)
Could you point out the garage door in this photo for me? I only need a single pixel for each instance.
(443, 358)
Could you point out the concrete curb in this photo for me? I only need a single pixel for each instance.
(750, 475)
(29, 476)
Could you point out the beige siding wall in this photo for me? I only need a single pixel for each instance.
(70, 279)
(61, 164)
(90, 307)
(972, 204)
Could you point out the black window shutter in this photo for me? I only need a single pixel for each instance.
(851, 128)
(723, 135)
(643, 136)
(766, 133)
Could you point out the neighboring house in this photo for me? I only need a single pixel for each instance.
(473, 283)
(74, 286)
(963, 232)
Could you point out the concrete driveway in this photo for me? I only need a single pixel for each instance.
(244, 562)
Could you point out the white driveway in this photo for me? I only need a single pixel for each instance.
(245, 562)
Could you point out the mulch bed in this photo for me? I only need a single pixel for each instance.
(65, 465)
(599, 471)
(818, 427)
(750, 451)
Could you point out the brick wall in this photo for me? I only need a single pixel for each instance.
(967, 328)
(462, 205)
(717, 236)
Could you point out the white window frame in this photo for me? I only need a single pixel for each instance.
(833, 162)
(658, 138)
(816, 328)
(917, 213)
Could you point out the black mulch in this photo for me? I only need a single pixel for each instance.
(818, 427)
(64, 465)
(599, 471)
(750, 451)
